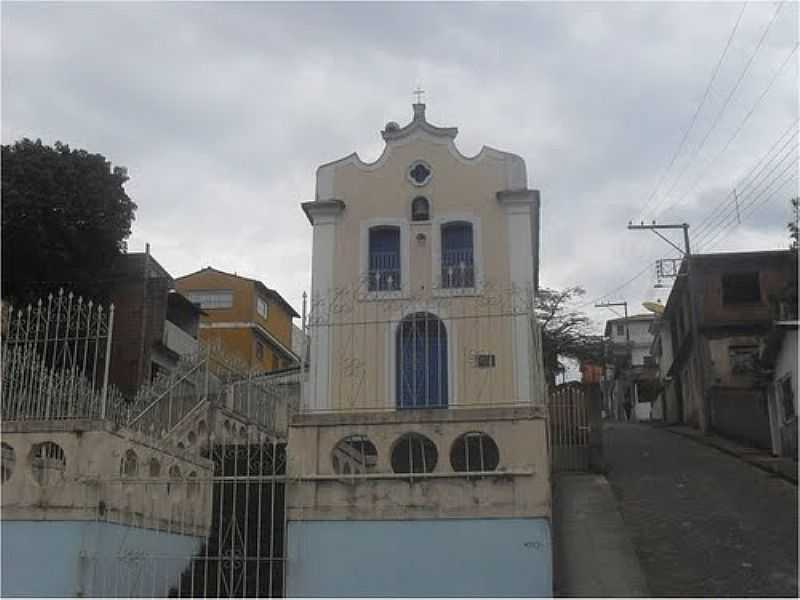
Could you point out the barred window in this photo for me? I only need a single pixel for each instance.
(384, 259)
(458, 264)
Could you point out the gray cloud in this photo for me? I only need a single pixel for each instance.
(222, 113)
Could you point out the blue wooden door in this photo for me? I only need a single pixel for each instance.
(421, 362)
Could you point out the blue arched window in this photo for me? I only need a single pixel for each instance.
(384, 259)
(421, 362)
(458, 263)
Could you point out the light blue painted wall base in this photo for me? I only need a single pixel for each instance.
(44, 558)
(446, 557)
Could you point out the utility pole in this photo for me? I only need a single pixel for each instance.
(686, 251)
(624, 304)
(628, 349)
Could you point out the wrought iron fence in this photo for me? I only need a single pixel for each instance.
(56, 357)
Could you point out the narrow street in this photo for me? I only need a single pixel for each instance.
(703, 523)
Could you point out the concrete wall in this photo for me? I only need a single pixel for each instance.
(452, 557)
(91, 484)
(520, 487)
(140, 310)
(741, 414)
(89, 558)
(786, 365)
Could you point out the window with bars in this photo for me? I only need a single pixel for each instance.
(458, 262)
(384, 259)
(474, 451)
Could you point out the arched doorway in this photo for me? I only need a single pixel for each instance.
(421, 362)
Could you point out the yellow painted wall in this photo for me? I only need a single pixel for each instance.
(241, 341)
(361, 356)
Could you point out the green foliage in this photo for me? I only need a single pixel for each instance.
(65, 217)
(794, 223)
(565, 330)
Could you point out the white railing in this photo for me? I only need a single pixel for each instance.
(56, 358)
(384, 271)
(458, 269)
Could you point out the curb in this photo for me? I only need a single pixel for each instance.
(711, 443)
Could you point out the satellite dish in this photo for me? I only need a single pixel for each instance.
(654, 307)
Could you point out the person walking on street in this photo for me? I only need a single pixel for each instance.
(627, 406)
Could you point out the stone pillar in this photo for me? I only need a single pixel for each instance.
(522, 214)
(323, 215)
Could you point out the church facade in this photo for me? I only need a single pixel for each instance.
(418, 462)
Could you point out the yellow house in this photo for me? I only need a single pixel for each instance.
(248, 320)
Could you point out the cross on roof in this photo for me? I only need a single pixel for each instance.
(418, 93)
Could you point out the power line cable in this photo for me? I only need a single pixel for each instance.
(734, 210)
(619, 287)
(741, 185)
(746, 210)
(755, 207)
(686, 133)
(741, 201)
(726, 103)
(734, 222)
(739, 128)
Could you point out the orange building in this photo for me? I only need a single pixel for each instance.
(244, 317)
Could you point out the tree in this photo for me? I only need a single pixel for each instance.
(65, 217)
(565, 330)
(794, 223)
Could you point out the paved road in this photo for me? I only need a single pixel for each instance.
(703, 523)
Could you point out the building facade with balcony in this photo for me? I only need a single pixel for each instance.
(242, 317)
(419, 462)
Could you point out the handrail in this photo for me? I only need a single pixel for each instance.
(166, 391)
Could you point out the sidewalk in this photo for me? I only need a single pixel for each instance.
(782, 467)
(593, 555)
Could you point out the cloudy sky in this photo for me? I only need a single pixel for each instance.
(222, 112)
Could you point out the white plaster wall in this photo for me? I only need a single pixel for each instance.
(786, 362)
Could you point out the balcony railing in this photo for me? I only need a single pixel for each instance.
(177, 340)
(384, 272)
(458, 269)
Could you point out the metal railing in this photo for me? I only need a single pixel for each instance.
(384, 271)
(458, 269)
(56, 358)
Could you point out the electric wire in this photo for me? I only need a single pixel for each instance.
(754, 205)
(742, 123)
(741, 185)
(619, 287)
(686, 133)
(775, 194)
(725, 103)
(742, 201)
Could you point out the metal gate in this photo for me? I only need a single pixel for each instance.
(177, 492)
(570, 427)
